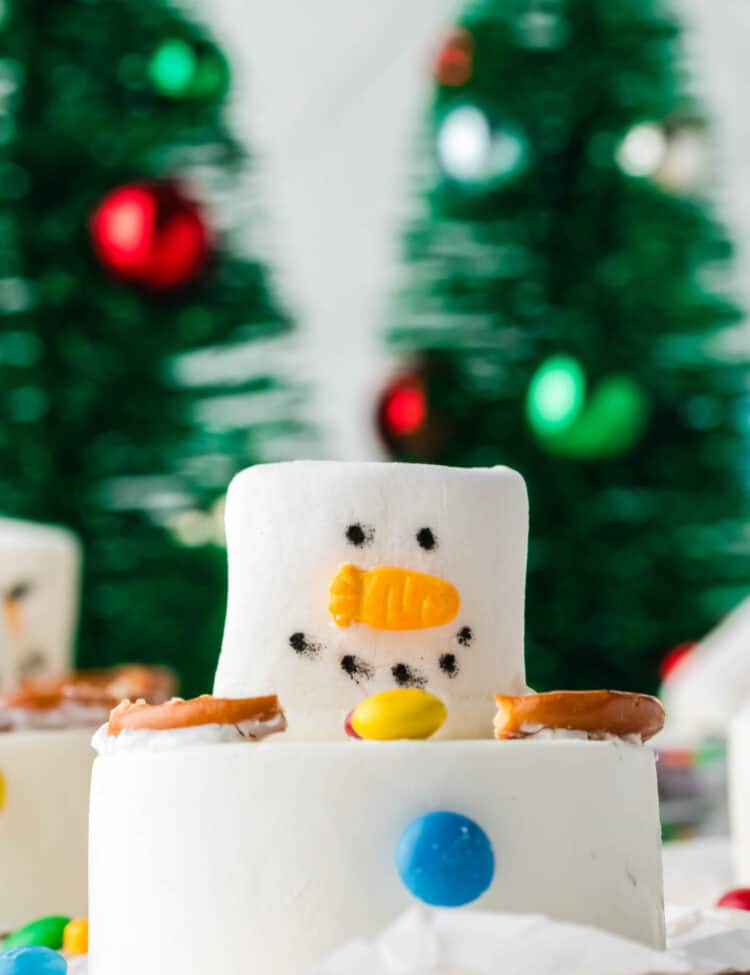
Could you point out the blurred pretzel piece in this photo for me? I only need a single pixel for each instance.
(154, 684)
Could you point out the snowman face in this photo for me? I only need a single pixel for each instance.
(349, 579)
(39, 569)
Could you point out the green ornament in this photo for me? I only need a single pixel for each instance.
(607, 423)
(211, 78)
(179, 69)
(556, 395)
(45, 932)
(173, 67)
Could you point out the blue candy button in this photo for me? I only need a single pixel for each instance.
(445, 859)
(32, 960)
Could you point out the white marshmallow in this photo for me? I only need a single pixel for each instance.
(287, 538)
(43, 824)
(739, 793)
(707, 689)
(42, 563)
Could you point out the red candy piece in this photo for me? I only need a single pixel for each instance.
(739, 899)
(348, 727)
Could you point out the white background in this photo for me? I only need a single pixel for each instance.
(328, 93)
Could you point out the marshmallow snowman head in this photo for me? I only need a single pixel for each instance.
(39, 578)
(346, 579)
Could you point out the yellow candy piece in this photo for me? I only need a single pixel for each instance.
(390, 598)
(76, 937)
(3, 791)
(401, 713)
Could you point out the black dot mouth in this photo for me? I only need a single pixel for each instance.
(303, 646)
(356, 668)
(449, 664)
(465, 635)
(406, 676)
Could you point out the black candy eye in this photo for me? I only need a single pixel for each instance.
(426, 538)
(358, 534)
(406, 676)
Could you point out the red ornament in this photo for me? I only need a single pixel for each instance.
(455, 59)
(739, 899)
(410, 425)
(675, 658)
(151, 234)
(404, 408)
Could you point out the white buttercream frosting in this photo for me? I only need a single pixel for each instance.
(68, 714)
(540, 733)
(131, 739)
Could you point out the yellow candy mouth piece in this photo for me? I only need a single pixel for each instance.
(390, 598)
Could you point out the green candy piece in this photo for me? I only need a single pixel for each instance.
(46, 932)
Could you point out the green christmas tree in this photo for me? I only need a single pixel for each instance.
(131, 384)
(563, 311)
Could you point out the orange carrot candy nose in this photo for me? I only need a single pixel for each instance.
(12, 613)
(389, 598)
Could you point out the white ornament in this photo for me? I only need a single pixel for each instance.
(643, 149)
(464, 143)
(686, 162)
(472, 151)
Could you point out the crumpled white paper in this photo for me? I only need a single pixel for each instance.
(433, 942)
(437, 942)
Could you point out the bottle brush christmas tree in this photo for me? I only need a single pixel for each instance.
(563, 314)
(130, 385)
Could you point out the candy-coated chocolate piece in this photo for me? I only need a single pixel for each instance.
(405, 712)
(739, 899)
(3, 792)
(445, 859)
(76, 936)
(45, 932)
(32, 960)
(349, 729)
(391, 598)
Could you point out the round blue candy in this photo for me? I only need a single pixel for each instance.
(32, 960)
(445, 859)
